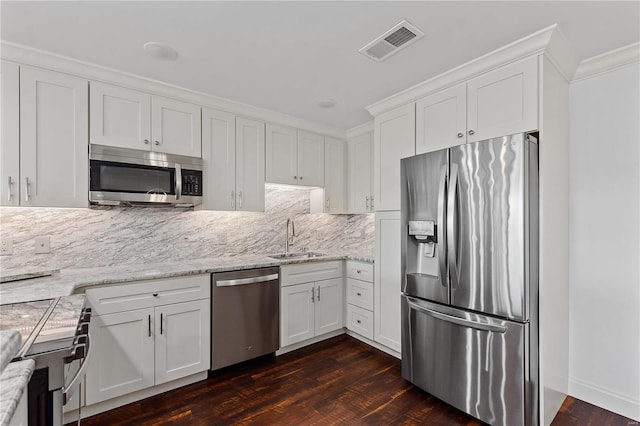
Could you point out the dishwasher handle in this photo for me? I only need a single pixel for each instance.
(250, 280)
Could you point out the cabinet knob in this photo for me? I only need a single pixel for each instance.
(359, 294)
(155, 294)
(300, 177)
(295, 177)
(460, 135)
(146, 141)
(358, 271)
(358, 321)
(471, 132)
(156, 143)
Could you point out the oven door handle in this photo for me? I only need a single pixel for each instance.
(67, 389)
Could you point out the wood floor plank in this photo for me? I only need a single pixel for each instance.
(341, 381)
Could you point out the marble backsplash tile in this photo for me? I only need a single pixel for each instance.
(105, 236)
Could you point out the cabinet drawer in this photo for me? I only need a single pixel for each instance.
(309, 272)
(146, 294)
(360, 270)
(360, 321)
(360, 293)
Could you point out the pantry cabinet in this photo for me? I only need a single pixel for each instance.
(148, 333)
(311, 300)
(394, 139)
(233, 152)
(129, 118)
(360, 193)
(500, 102)
(294, 157)
(53, 140)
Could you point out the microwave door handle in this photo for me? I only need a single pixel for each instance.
(178, 181)
(442, 213)
(452, 236)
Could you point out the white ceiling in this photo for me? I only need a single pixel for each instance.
(285, 56)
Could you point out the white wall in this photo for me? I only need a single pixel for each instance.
(605, 241)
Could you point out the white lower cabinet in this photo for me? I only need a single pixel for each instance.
(138, 348)
(310, 309)
(360, 298)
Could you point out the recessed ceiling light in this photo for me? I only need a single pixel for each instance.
(326, 103)
(161, 51)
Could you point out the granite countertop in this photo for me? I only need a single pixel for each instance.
(14, 380)
(70, 281)
(10, 342)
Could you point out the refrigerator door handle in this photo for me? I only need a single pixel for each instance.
(451, 226)
(455, 320)
(442, 254)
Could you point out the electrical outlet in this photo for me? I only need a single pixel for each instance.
(6, 246)
(43, 245)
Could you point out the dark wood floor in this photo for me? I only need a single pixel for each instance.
(338, 381)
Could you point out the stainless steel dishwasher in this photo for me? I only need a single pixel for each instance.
(245, 314)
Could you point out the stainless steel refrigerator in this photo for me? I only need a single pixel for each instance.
(470, 277)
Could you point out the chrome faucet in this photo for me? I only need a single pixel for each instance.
(289, 240)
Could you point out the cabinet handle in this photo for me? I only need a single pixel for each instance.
(358, 271)
(156, 143)
(471, 132)
(146, 141)
(460, 135)
(239, 199)
(367, 202)
(160, 322)
(318, 293)
(300, 177)
(27, 195)
(295, 177)
(372, 203)
(328, 205)
(10, 196)
(155, 294)
(233, 199)
(313, 292)
(358, 321)
(149, 325)
(359, 294)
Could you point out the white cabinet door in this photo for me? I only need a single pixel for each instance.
(182, 341)
(119, 117)
(441, 120)
(282, 155)
(219, 158)
(175, 127)
(503, 101)
(9, 134)
(297, 313)
(394, 138)
(122, 354)
(387, 280)
(54, 165)
(335, 176)
(361, 173)
(310, 159)
(329, 305)
(250, 151)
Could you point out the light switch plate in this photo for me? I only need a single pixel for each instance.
(43, 245)
(6, 246)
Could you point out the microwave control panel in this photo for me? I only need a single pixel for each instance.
(192, 182)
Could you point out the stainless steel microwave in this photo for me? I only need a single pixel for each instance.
(132, 176)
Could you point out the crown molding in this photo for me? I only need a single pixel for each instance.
(51, 61)
(360, 129)
(549, 41)
(608, 61)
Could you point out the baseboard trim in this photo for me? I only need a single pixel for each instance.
(376, 345)
(308, 342)
(605, 398)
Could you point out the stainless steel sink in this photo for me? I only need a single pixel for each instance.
(297, 255)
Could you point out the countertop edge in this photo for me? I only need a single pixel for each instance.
(15, 379)
(10, 342)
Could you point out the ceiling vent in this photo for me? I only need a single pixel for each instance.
(392, 41)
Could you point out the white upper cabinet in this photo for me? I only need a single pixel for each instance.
(360, 192)
(175, 127)
(219, 159)
(394, 139)
(250, 151)
(294, 157)
(441, 120)
(129, 118)
(310, 159)
(332, 198)
(10, 134)
(282, 155)
(503, 101)
(120, 117)
(54, 165)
